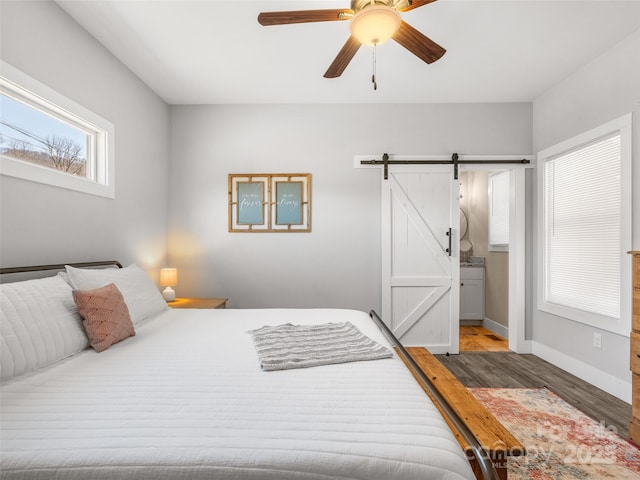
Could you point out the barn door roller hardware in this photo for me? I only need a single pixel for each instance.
(455, 161)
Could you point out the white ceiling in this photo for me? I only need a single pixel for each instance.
(214, 51)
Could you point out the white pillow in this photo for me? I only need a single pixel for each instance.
(140, 293)
(39, 325)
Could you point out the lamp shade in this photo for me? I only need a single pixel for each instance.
(375, 24)
(168, 277)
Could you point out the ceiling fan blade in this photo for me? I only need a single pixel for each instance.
(343, 58)
(304, 16)
(418, 44)
(415, 4)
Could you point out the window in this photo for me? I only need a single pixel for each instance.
(499, 212)
(585, 217)
(47, 138)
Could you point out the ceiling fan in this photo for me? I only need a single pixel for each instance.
(372, 23)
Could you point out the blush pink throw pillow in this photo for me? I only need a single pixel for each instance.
(105, 316)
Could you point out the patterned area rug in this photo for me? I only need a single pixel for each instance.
(561, 442)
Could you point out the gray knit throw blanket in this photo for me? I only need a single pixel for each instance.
(299, 346)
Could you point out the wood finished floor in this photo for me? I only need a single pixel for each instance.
(511, 370)
(476, 338)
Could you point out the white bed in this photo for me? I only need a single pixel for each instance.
(185, 398)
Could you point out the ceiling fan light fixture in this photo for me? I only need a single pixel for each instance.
(375, 25)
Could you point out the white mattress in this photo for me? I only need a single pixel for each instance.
(185, 398)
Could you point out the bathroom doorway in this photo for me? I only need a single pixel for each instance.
(489, 278)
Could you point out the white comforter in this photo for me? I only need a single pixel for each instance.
(185, 398)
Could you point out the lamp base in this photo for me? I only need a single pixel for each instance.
(169, 294)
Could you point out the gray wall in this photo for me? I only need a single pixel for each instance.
(43, 224)
(602, 90)
(338, 263)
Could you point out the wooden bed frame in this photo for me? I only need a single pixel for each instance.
(486, 442)
(499, 442)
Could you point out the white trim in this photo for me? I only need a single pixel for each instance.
(474, 323)
(622, 325)
(517, 263)
(603, 380)
(36, 93)
(495, 327)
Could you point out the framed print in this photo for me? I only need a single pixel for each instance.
(270, 202)
(250, 200)
(248, 203)
(291, 202)
(288, 203)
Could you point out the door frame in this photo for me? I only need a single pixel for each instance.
(518, 341)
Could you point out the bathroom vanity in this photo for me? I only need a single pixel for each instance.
(471, 291)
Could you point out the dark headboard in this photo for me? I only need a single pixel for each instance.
(44, 268)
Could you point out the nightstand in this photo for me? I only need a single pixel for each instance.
(198, 303)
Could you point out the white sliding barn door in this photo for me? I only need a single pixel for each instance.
(420, 279)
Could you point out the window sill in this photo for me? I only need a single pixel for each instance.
(34, 173)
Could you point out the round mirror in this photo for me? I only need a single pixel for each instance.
(464, 224)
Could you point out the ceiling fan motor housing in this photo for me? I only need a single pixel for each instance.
(375, 24)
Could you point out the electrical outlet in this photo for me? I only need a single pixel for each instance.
(597, 340)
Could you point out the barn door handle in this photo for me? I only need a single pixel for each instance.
(448, 250)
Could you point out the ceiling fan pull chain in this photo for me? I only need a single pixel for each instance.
(373, 75)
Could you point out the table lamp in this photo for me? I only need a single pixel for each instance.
(169, 278)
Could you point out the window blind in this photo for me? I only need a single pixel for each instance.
(582, 228)
(499, 209)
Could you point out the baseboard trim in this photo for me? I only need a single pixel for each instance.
(603, 380)
(495, 327)
(471, 323)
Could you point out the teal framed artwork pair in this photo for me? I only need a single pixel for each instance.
(270, 202)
